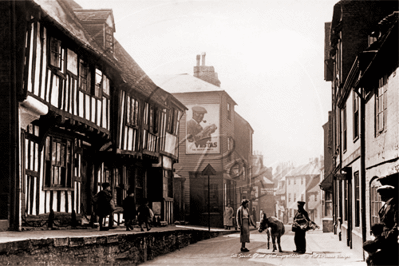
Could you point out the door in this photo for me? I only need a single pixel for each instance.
(349, 237)
(87, 180)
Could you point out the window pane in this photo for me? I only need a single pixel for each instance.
(62, 154)
(128, 110)
(136, 112)
(58, 153)
(54, 153)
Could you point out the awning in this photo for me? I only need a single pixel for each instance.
(326, 184)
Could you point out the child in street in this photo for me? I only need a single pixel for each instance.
(373, 246)
(144, 216)
(129, 209)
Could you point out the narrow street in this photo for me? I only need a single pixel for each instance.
(322, 249)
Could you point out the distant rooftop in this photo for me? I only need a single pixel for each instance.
(181, 83)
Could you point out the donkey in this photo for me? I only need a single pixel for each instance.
(273, 227)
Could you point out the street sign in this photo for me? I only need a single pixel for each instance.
(209, 170)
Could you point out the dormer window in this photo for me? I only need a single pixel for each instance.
(99, 23)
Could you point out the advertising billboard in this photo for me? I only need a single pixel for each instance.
(202, 129)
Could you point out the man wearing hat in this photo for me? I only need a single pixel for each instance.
(389, 217)
(104, 207)
(195, 132)
(301, 220)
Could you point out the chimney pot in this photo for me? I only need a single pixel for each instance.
(198, 59)
(203, 58)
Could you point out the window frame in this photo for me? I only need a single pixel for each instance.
(357, 198)
(49, 183)
(344, 130)
(228, 108)
(375, 201)
(86, 66)
(381, 99)
(356, 121)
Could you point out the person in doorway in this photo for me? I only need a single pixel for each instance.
(144, 216)
(104, 206)
(254, 214)
(301, 221)
(228, 217)
(129, 209)
(389, 218)
(244, 220)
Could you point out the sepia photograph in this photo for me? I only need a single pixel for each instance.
(199, 132)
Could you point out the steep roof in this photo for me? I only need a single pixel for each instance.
(136, 78)
(91, 15)
(267, 181)
(185, 83)
(65, 15)
(182, 83)
(310, 169)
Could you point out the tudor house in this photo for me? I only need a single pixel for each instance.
(77, 111)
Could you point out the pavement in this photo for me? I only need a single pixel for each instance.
(322, 248)
(11, 236)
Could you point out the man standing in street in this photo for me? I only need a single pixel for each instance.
(301, 220)
(103, 206)
(389, 218)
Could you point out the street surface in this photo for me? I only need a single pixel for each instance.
(322, 249)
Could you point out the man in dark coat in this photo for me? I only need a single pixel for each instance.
(389, 217)
(103, 206)
(129, 209)
(301, 218)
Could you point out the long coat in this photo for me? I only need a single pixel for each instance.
(129, 208)
(228, 216)
(240, 219)
(103, 204)
(389, 217)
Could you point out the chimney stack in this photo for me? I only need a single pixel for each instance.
(206, 73)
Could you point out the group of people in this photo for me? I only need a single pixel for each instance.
(302, 223)
(384, 248)
(104, 206)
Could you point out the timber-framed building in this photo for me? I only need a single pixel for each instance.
(77, 111)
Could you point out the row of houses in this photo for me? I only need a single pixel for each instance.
(78, 111)
(300, 183)
(361, 135)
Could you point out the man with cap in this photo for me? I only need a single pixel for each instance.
(195, 132)
(389, 218)
(301, 219)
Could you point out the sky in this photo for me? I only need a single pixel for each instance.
(269, 56)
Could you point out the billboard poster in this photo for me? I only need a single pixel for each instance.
(202, 126)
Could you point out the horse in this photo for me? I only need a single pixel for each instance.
(273, 227)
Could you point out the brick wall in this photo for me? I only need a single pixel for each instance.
(122, 249)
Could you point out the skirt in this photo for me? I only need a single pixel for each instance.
(244, 236)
